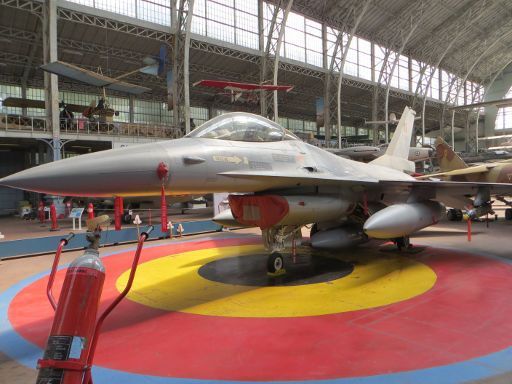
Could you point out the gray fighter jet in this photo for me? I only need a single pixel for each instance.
(278, 183)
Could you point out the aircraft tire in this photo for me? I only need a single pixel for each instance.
(454, 215)
(402, 242)
(508, 214)
(275, 262)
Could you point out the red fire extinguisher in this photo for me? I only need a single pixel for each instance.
(53, 216)
(90, 211)
(67, 349)
(70, 348)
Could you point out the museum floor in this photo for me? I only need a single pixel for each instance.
(202, 308)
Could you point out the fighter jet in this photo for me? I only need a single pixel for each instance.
(276, 181)
(453, 168)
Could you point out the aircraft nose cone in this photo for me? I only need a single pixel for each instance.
(127, 171)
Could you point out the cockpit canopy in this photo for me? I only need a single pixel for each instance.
(241, 126)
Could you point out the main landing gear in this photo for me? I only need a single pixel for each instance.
(454, 215)
(402, 243)
(276, 240)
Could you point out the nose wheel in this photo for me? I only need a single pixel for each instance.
(275, 264)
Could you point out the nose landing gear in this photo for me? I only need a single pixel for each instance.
(275, 264)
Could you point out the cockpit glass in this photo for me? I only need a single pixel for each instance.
(240, 126)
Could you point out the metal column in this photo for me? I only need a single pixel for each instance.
(332, 88)
(50, 80)
(182, 19)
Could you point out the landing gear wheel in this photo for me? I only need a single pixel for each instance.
(454, 214)
(275, 263)
(403, 242)
(508, 214)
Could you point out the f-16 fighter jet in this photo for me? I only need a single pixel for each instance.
(276, 181)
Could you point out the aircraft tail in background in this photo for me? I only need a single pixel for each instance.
(397, 154)
(447, 158)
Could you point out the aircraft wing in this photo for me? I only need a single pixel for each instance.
(318, 178)
(455, 187)
(305, 178)
(89, 77)
(458, 172)
(39, 104)
(444, 191)
(242, 86)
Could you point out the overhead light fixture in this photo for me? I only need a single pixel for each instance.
(3, 65)
(80, 146)
(72, 52)
(5, 40)
(9, 145)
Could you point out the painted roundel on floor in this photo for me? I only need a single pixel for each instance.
(205, 309)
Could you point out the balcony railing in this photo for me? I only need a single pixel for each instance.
(22, 123)
(18, 123)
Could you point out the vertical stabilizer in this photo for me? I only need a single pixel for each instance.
(447, 158)
(397, 154)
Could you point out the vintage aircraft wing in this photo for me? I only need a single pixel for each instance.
(89, 77)
(19, 102)
(242, 86)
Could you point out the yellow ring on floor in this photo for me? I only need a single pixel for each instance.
(173, 283)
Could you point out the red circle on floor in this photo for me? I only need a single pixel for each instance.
(465, 315)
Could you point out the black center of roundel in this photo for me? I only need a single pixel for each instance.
(252, 270)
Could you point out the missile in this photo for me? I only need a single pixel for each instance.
(342, 237)
(480, 211)
(403, 219)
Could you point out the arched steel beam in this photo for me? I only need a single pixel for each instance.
(487, 88)
(452, 35)
(408, 22)
(496, 39)
(269, 70)
(359, 17)
(332, 95)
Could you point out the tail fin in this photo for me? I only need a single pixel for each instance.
(397, 154)
(447, 158)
